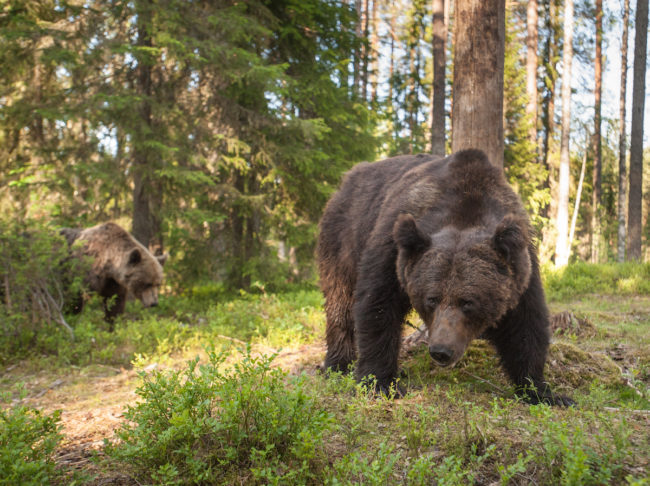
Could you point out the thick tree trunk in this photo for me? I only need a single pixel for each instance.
(479, 41)
(147, 192)
(597, 175)
(439, 45)
(622, 172)
(636, 137)
(531, 68)
(562, 220)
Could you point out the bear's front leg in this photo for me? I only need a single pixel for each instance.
(113, 307)
(522, 340)
(379, 311)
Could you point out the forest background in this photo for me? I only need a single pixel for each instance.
(217, 131)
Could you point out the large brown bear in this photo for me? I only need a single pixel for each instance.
(448, 237)
(120, 267)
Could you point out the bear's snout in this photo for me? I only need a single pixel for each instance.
(441, 354)
(449, 336)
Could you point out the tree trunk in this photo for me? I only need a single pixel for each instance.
(366, 27)
(576, 206)
(374, 54)
(411, 104)
(636, 137)
(597, 175)
(550, 55)
(531, 69)
(147, 192)
(358, 54)
(562, 220)
(439, 46)
(391, 74)
(479, 41)
(622, 172)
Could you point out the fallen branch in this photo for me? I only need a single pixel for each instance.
(616, 409)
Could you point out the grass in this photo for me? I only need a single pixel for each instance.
(227, 393)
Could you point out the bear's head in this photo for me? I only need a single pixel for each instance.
(462, 281)
(144, 275)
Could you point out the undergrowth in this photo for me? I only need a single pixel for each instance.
(607, 278)
(250, 423)
(28, 440)
(208, 423)
(231, 418)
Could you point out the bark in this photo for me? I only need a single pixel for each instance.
(411, 96)
(439, 44)
(562, 219)
(357, 66)
(147, 192)
(479, 41)
(366, 23)
(531, 68)
(374, 54)
(391, 75)
(597, 175)
(548, 112)
(636, 136)
(622, 172)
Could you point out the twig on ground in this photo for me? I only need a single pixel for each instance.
(484, 381)
(55, 384)
(616, 409)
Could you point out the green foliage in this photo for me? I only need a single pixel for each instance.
(369, 465)
(525, 172)
(28, 439)
(38, 278)
(204, 424)
(575, 452)
(583, 278)
(227, 112)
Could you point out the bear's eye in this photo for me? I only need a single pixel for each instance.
(467, 306)
(432, 302)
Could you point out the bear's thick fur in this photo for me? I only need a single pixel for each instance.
(121, 266)
(447, 237)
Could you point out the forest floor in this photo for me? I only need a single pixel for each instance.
(600, 355)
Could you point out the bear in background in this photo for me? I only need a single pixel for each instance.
(447, 237)
(120, 267)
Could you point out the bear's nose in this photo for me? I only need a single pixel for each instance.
(441, 354)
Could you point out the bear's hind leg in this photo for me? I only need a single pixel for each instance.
(341, 350)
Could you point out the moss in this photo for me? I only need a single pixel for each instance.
(568, 365)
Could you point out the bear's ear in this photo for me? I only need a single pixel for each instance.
(509, 237)
(408, 236)
(162, 258)
(135, 257)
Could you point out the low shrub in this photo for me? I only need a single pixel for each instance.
(28, 439)
(209, 424)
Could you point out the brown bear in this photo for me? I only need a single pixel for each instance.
(120, 267)
(447, 237)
